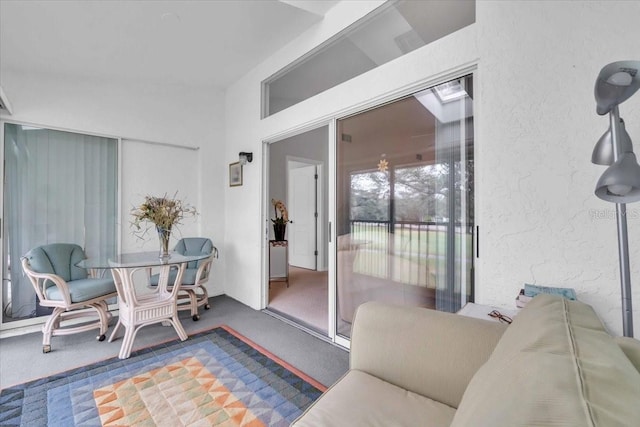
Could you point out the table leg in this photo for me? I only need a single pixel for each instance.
(139, 311)
(127, 342)
(178, 327)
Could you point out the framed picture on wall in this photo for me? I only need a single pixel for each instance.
(235, 174)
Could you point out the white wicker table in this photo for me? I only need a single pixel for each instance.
(139, 310)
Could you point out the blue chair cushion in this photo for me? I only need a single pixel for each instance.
(188, 278)
(194, 246)
(59, 259)
(83, 289)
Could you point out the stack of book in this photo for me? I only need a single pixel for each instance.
(530, 291)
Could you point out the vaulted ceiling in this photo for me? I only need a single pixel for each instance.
(208, 43)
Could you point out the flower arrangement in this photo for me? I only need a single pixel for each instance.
(164, 213)
(278, 206)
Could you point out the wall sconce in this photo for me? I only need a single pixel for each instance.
(245, 158)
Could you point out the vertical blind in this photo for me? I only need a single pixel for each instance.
(59, 187)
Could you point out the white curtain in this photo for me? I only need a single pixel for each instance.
(59, 187)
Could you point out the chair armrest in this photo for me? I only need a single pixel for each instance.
(38, 280)
(202, 275)
(432, 353)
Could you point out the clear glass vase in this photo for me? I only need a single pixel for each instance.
(164, 236)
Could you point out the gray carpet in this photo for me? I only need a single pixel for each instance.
(21, 358)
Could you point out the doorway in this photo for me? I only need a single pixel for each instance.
(398, 203)
(298, 279)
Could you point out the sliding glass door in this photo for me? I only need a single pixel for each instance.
(404, 203)
(58, 187)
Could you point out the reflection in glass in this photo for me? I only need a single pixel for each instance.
(405, 202)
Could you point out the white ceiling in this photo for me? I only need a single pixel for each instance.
(206, 43)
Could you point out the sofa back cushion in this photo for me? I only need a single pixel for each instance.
(555, 365)
(424, 351)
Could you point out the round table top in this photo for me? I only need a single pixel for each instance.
(138, 259)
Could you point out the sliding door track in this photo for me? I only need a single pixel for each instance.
(298, 324)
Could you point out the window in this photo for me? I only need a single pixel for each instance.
(389, 32)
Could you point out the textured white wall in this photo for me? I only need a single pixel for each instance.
(169, 114)
(540, 221)
(535, 128)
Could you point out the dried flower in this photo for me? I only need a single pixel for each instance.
(278, 206)
(163, 212)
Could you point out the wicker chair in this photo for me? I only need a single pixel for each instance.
(60, 284)
(195, 275)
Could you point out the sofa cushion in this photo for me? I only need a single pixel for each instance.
(555, 365)
(360, 399)
(428, 352)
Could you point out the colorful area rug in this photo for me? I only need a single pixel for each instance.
(215, 378)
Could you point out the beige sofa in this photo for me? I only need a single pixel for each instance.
(555, 365)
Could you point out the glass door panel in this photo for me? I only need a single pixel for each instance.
(404, 203)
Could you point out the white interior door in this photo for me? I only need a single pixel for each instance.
(303, 214)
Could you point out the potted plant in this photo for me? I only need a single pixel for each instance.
(279, 222)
